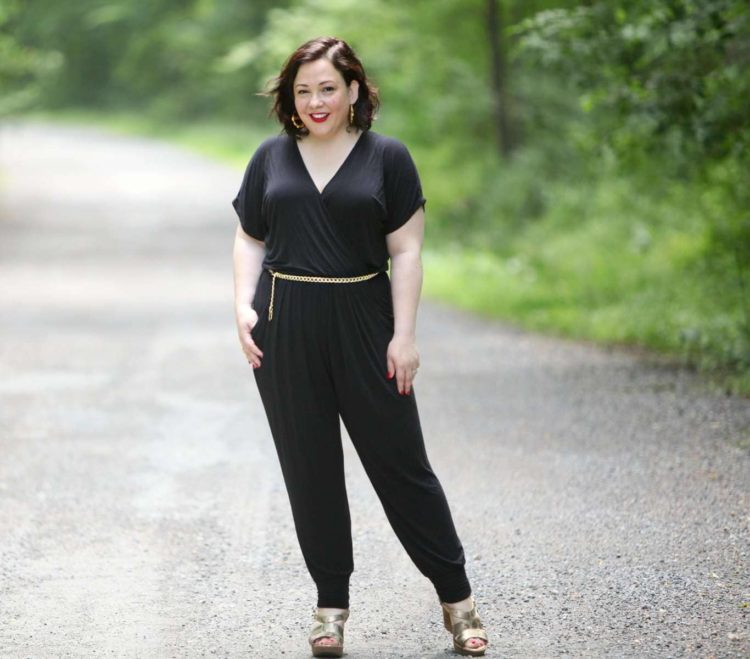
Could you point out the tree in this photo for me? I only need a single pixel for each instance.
(498, 67)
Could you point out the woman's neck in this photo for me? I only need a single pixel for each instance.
(340, 139)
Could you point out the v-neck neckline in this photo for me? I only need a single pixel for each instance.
(321, 191)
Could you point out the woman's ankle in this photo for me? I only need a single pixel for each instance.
(462, 605)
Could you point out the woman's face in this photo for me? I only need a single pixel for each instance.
(322, 98)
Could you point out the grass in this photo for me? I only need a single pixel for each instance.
(615, 266)
(228, 142)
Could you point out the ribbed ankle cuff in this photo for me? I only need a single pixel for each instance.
(453, 587)
(333, 594)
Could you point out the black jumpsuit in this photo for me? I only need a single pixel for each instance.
(325, 356)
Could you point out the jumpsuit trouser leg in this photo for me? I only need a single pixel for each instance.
(325, 356)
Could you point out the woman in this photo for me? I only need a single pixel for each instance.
(322, 207)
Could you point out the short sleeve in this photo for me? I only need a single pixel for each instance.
(248, 203)
(403, 189)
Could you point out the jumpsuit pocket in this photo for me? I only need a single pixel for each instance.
(260, 304)
(254, 328)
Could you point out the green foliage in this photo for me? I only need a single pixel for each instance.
(622, 215)
(22, 68)
(659, 75)
(175, 58)
(615, 260)
(663, 88)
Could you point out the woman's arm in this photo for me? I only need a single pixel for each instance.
(248, 254)
(405, 247)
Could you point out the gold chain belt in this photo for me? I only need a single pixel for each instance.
(313, 278)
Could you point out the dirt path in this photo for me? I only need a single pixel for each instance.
(603, 501)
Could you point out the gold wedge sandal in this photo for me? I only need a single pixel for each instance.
(465, 625)
(331, 625)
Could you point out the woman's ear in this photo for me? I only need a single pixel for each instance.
(353, 91)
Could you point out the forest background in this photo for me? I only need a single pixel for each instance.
(586, 164)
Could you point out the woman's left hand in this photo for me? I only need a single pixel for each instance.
(403, 361)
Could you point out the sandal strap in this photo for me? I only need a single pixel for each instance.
(471, 632)
(331, 617)
(466, 625)
(329, 625)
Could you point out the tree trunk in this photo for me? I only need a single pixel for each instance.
(499, 74)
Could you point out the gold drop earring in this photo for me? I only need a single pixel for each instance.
(295, 118)
(351, 114)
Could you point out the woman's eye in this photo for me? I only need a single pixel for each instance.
(328, 89)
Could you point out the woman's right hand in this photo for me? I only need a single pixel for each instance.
(246, 319)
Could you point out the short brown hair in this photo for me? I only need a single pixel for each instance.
(346, 62)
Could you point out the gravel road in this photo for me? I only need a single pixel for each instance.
(602, 496)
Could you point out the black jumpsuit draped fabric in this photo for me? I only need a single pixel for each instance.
(325, 357)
